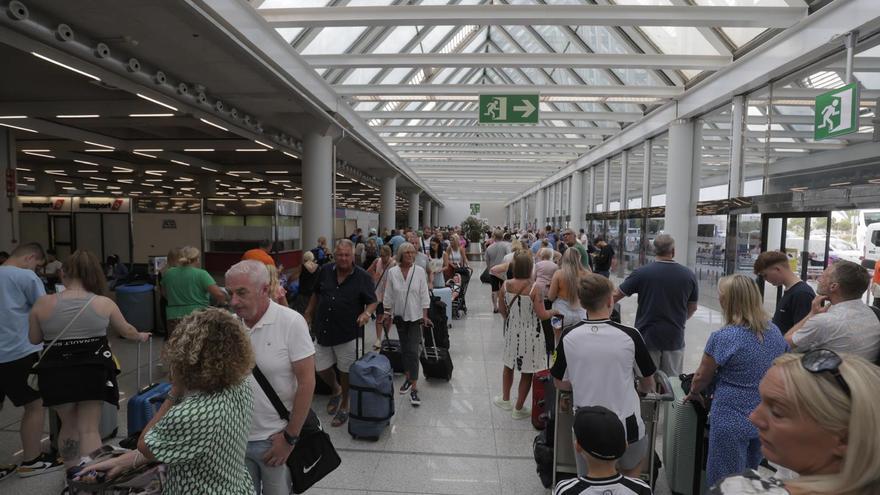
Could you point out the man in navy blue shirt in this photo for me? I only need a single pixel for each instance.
(343, 300)
(668, 295)
(798, 297)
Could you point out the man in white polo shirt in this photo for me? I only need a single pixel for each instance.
(597, 360)
(284, 353)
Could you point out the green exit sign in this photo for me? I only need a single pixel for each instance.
(475, 208)
(837, 112)
(509, 109)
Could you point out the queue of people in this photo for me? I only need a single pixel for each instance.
(796, 389)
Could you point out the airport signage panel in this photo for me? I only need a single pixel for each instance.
(509, 109)
(837, 112)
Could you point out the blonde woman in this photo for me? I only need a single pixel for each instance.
(545, 268)
(277, 293)
(454, 258)
(201, 430)
(736, 357)
(187, 287)
(563, 291)
(818, 416)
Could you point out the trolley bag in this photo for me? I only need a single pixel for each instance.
(543, 397)
(437, 315)
(440, 310)
(436, 361)
(371, 396)
(652, 404)
(143, 406)
(391, 349)
(684, 445)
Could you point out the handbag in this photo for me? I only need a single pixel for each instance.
(33, 380)
(485, 277)
(313, 457)
(398, 319)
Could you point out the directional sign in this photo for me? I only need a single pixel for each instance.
(509, 109)
(837, 112)
(475, 208)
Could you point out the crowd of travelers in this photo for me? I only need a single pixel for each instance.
(794, 390)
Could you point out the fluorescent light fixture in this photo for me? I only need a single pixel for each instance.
(122, 170)
(152, 180)
(63, 181)
(276, 171)
(82, 116)
(252, 180)
(38, 154)
(17, 127)
(263, 144)
(68, 188)
(100, 150)
(148, 115)
(125, 181)
(55, 172)
(36, 151)
(198, 149)
(99, 145)
(836, 184)
(86, 163)
(215, 125)
(180, 163)
(183, 179)
(22, 169)
(250, 149)
(157, 102)
(208, 169)
(285, 181)
(13, 117)
(144, 150)
(47, 59)
(144, 154)
(290, 154)
(98, 178)
(114, 187)
(87, 171)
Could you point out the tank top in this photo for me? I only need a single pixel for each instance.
(89, 324)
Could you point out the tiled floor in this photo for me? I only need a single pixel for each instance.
(457, 442)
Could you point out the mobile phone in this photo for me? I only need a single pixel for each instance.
(556, 322)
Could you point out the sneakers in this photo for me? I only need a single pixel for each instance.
(523, 413)
(45, 463)
(503, 404)
(6, 470)
(414, 398)
(405, 387)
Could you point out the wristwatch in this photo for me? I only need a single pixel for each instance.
(290, 439)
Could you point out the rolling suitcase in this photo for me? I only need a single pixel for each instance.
(685, 443)
(437, 315)
(445, 295)
(436, 361)
(391, 349)
(543, 397)
(371, 396)
(143, 406)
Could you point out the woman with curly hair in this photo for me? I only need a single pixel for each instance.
(201, 430)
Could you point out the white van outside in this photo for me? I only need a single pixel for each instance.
(872, 244)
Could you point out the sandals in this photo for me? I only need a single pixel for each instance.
(333, 405)
(340, 419)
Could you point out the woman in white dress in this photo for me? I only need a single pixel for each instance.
(524, 347)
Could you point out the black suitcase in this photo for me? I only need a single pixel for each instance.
(440, 329)
(436, 362)
(392, 349)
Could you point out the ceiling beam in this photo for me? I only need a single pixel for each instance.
(516, 89)
(479, 130)
(521, 60)
(493, 140)
(455, 115)
(523, 15)
(488, 149)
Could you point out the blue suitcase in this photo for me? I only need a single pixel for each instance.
(143, 406)
(371, 396)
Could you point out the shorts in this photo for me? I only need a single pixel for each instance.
(495, 282)
(342, 355)
(13, 380)
(66, 385)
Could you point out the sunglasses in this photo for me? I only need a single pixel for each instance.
(825, 361)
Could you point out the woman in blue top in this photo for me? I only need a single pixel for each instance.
(736, 357)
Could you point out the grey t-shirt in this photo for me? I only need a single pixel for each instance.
(495, 253)
(849, 326)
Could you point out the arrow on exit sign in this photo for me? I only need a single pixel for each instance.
(509, 109)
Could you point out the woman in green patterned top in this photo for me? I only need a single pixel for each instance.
(201, 430)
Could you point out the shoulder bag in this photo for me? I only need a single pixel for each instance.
(34, 380)
(313, 457)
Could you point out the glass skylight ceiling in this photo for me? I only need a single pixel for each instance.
(450, 151)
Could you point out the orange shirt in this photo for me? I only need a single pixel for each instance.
(258, 255)
(877, 272)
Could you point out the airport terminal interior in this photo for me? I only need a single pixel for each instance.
(133, 128)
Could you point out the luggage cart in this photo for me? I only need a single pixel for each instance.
(651, 405)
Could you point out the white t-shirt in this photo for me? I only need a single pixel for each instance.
(848, 326)
(280, 338)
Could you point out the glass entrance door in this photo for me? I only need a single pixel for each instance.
(804, 238)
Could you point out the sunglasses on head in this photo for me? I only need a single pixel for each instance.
(826, 361)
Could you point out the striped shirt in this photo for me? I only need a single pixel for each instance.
(615, 485)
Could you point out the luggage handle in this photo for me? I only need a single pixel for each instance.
(433, 339)
(149, 364)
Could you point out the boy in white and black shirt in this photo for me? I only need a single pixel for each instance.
(598, 359)
(601, 441)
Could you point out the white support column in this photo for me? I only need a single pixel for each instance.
(414, 210)
(387, 204)
(317, 177)
(696, 159)
(576, 200)
(606, 185)
(624, 170)
(646, 174)
(680, 162)
(540, 210)
(426, 213)
(435, 215)
(592, 194)
(9, 227)
(737, 129)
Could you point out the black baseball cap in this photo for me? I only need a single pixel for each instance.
(600, 433)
